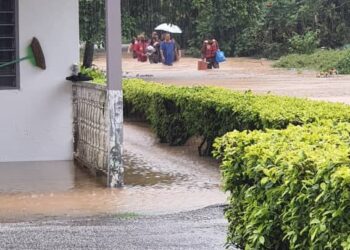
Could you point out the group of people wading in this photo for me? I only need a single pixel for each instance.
(155, 50)
(167, 51)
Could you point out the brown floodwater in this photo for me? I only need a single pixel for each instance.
(158, 179)
(241, 74)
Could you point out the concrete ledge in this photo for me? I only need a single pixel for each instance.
(90, 85)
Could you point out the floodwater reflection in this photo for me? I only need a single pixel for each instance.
(158, 179)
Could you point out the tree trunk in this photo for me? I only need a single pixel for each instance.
(88, 55)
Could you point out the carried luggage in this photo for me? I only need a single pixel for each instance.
(202, 65)
(220, 56)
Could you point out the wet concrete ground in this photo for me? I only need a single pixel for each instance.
(243, 74)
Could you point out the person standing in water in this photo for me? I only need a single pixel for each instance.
(141, 49)
(167, 50)
(155, 56)
(209, 50)
(133, 47)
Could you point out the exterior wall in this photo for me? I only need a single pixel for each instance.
(36, 120)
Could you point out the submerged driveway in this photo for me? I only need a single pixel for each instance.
(244, 74)
(201, 229)
(62, 207)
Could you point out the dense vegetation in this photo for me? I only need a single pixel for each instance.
(177, 113)
(290, 189)
(267, 28)
(321, 60)
(92, 27)
(259, 27)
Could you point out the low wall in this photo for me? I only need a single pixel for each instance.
(90, 126)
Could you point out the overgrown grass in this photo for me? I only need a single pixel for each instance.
(321, 60)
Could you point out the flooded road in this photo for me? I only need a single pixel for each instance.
(243, 74)
(158, 179)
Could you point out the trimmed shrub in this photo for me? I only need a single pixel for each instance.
(289, 184)
(176, 113)
(290, 189)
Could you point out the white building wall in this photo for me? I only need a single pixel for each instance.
(36, 120)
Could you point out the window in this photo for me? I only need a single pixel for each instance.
(8, 44)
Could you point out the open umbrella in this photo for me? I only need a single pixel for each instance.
(168, 27)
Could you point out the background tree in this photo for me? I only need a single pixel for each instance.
(92, 27)
(268, 28)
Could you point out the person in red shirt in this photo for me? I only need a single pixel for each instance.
(209, 50)
(132, 47)
(141, 49)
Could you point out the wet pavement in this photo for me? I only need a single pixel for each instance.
(201, 229)
(159, 180)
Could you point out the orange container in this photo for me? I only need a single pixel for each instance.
(202, 65)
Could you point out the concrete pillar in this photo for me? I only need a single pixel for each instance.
(114, 93)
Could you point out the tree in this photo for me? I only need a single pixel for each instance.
(92, 27)
(249, 28)
(224, 20)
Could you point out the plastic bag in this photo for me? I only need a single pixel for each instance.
(220, 56)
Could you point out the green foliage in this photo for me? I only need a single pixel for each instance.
(223, 20)
(92, 21)
(92, 27)
(343, 65)
(199, 20)
(128, 27)
(290, 189)
(306, 44)
(250, 28)
(321, 60)
(148, 14)
(99, 77)
(277, 22)
(176, 113)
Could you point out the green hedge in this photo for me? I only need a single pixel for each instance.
(176, 113)
(290, 189)
(290, 186)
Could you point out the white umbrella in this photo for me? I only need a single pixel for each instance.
(171, 28)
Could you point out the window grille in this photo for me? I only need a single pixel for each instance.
(8, 44)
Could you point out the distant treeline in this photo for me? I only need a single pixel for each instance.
(250, 28)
